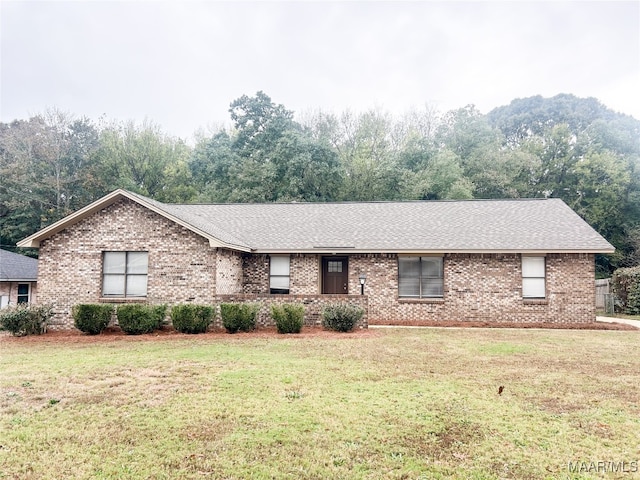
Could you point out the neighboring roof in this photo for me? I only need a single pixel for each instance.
(525, 226)
(17, 268)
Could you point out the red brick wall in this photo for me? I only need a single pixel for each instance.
(184, 268)
(182, 265)
(477, 287)
(485, 287)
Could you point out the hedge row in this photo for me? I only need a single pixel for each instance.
(133, 319)
(137, 319)
(25, 319)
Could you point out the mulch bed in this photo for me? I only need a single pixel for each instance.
(114, 334)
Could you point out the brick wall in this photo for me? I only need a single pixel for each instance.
(182, 265)
(10, 289)
(477, 287)
(229, 274)
(255, 273)
(184, 268)
(305, 274)
(484, 287)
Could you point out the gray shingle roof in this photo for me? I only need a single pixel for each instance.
(475, 225)
(17, 268)
(527, 225)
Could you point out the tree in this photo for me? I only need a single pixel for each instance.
(267, 158)
(47, 171)
(442, 178)
(145, 160)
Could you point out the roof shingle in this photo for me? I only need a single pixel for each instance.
(17, 268)
(523, 225)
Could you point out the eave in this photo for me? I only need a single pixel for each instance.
(439, 251)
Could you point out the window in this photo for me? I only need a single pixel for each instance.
(279, 275)
(533, 277)
(420, 277)
(124, 274)
(23, 293)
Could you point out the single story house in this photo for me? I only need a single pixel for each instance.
(529, 260)
(18, 276)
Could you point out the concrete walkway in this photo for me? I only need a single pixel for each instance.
(633, 323)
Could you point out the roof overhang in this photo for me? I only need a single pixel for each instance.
(34, 240)
(351, 251)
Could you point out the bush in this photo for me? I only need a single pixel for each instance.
(239, 316)
(625, 284)
(341, 317)
(91, 318)
(289, 318)
(26, 319)
(137, 319)
(190, 318)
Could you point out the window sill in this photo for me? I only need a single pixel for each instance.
(122, 300)
(535, 301)
(421, 300)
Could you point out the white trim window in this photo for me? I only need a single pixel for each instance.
(124, 274)
(279, 274)
(24, 293)
(533, 277)
(420, 277)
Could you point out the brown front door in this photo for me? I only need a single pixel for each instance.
(335, 275)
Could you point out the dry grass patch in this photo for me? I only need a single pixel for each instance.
(387, 404)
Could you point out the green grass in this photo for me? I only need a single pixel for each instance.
(412, 404)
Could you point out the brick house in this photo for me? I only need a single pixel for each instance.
(18, 276)
(478, 260)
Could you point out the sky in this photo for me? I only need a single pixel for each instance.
(181, 63)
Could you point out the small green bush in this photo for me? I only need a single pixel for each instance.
(92, 318)
(239, 316)
(341, 317)
(625, 284)
(26, 319)
(289, 317)
(189, 318)
(137, 319)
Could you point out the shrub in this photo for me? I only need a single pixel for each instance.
(137, 319)
(191, 318)
(341, 317)
(239, 316)
(91, 318)
(625, 284)
(289, 317)
(26, 319)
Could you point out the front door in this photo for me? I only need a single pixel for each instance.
(335, 275)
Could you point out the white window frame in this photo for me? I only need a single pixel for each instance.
(127, 275)
(423, 282)
(534, 277)
(279, 274)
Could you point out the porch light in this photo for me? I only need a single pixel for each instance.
(363, 279)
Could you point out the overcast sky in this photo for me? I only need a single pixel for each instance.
(180, 64)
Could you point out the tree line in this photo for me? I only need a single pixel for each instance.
(567, 147)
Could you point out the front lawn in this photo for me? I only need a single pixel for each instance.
(412, 403)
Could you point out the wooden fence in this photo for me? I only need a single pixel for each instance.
(603, 287)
